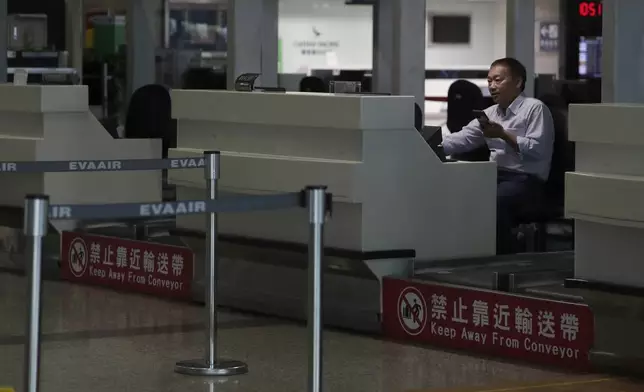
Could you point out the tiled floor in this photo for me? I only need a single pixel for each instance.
(589, 384)
(101, 341)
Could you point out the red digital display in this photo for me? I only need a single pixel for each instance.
(590, 9)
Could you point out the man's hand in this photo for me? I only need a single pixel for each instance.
(493, 130)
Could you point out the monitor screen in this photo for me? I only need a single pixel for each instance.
(450, 29)
(590, 57)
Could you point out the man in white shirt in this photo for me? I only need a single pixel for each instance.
(519, 132)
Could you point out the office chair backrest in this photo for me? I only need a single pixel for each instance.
(563, 153)
(149, 116)
(463, 97)
(313, 84)
(418, 118)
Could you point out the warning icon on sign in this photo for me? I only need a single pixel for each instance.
(78, 257)
(412, 311)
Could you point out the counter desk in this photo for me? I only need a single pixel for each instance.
(605, 197)
(49, 123)
(390, 190)
(391, 195)
(605, 194)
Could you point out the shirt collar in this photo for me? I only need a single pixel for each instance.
(516, 104)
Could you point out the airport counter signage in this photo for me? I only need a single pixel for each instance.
(491, 323)
(123, 264)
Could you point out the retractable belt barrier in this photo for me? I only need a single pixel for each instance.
(187, 207)
(100, 165)
(38, 212)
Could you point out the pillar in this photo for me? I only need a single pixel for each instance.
(3, 41)
(623, 51)
(253, 40)
(75, 34)
(143, 36)
(399, 48)
(519, 36)
(605, 252)
(383, 46)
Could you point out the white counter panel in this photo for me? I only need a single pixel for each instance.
(609, 159)
(335, 144)
(293, 109)
(608, 253)
(390, 190)
(606, 124)
(605, 195)
(102, 187)
(418, 202)
(248, 173)
(42, 99)
(54, 123)
(611, 199)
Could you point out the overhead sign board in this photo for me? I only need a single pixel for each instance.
(548, 36)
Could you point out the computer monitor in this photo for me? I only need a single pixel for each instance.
(590, 57)
(352, 75)
(433, 135)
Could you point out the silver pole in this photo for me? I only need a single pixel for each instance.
(105, 75)
(316, 197)
(212, 186)
(210, 365)
(35, 228)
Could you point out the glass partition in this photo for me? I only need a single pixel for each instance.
(197, 25)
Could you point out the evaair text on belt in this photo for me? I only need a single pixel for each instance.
(161, 209)
(185, 163)
(95, 165)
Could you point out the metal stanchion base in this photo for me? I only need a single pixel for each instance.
(201, 367)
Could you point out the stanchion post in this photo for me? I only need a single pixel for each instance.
(35, 228)
(316, 199)
(211, 365)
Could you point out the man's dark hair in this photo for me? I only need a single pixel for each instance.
(516, 69)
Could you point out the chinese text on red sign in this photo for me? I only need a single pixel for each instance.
(127, 264)
(494, 323)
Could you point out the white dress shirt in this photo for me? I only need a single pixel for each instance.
(526, 118)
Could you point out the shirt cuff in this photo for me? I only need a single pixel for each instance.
(446, 144)
(524, 145)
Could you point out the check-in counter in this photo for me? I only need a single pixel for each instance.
(51, 123)
(390, 190)
(605, 194)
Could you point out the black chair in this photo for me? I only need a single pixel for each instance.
(149, 116)
(419, 121)
(313, 84)
(463, 97)
(533, 222)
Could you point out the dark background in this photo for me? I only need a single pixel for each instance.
(55, 11)
(575, 27)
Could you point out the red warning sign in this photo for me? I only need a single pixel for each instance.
(140, 266)
(508, 325)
